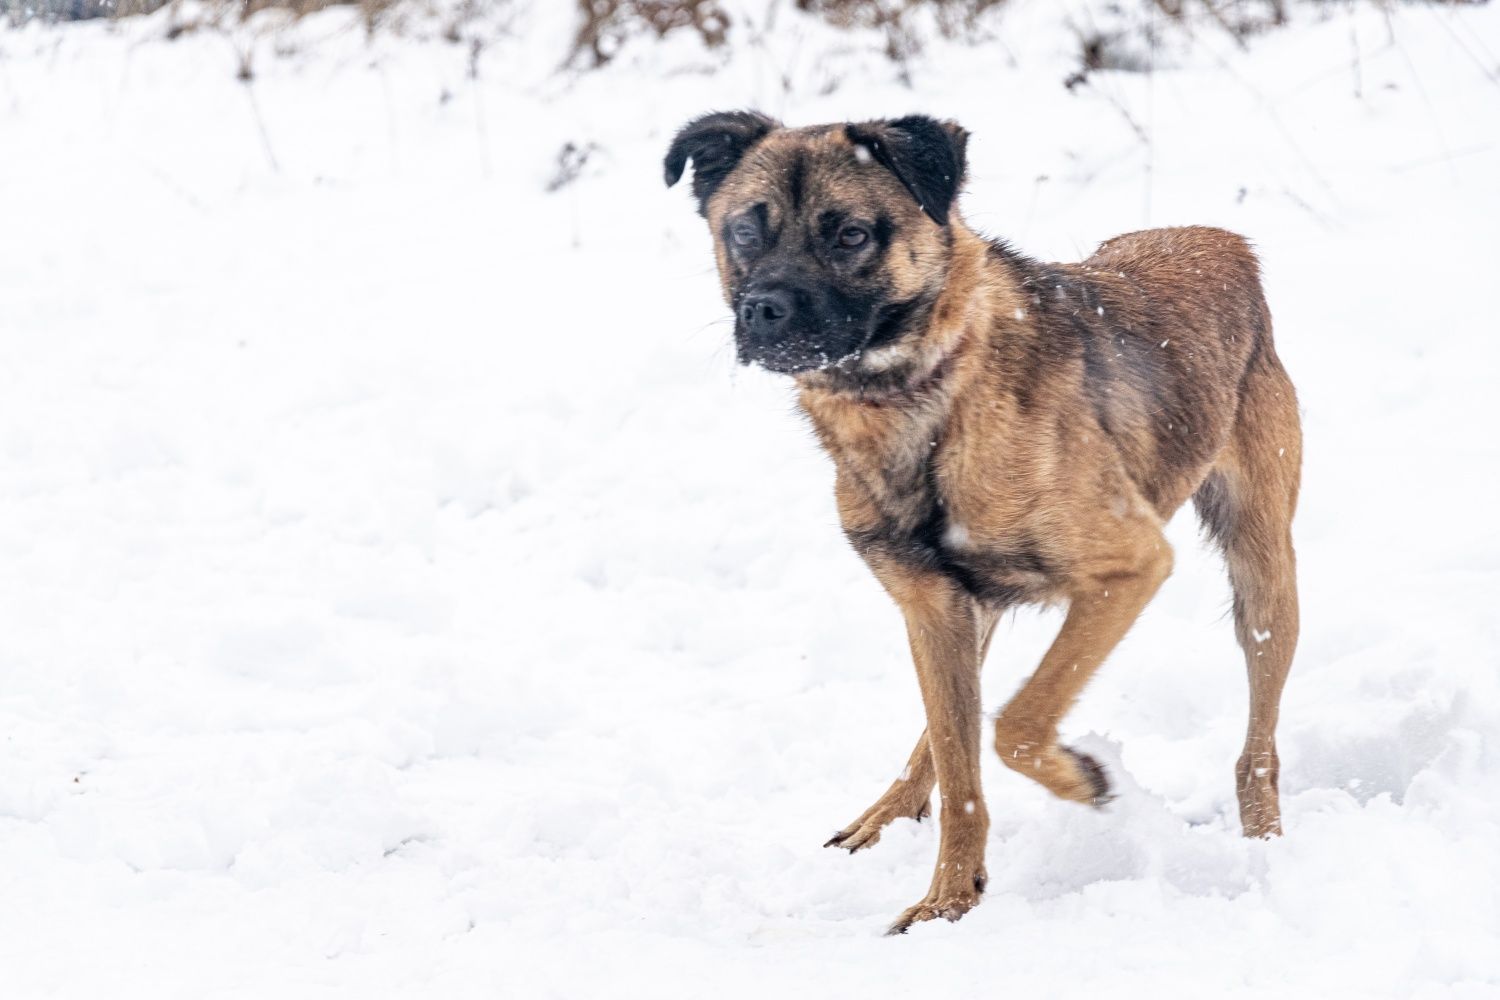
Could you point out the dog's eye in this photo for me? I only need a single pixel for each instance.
(851, 237)
(745, 234)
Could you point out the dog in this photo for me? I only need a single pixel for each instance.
(1007, 432)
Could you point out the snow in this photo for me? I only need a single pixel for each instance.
(404, 594)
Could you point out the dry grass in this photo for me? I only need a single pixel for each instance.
(604, 25)
(898, 20)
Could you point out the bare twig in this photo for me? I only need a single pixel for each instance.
(1269, 109)
(1150, 106)
(1354, 53)
(1036, 191)
(260, 124)
(1432, 115)
(481, 133)
(1300, 202)
(1223, 22)
(1424, 161)
(1489, 74)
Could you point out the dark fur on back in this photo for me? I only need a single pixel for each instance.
(1160, 350)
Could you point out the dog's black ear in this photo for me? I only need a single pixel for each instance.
(715, 143)
(925, 154)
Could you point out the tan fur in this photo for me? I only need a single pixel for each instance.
(1044, 425)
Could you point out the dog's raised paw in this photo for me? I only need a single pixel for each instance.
(856, 837)
(1096, 776)
(839, 840)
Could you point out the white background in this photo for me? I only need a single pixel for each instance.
(402, 593)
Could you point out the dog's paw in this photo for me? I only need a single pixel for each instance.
(865, 831)
(950, 902)
(1093, 773)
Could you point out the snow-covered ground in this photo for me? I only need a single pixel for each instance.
(402, 593)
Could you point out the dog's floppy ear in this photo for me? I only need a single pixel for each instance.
(925, 154)
(715, 143)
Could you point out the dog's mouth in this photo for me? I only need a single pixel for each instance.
(798, 357)
(798, 360)
(890, 368)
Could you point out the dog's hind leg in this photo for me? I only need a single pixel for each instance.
(1102, 607)
(1246, 503)
(910, 795)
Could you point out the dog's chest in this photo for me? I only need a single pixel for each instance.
(922, 508)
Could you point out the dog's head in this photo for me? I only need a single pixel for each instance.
(833, 241)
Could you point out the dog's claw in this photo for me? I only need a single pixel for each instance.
(949, 901)
(949, 911)
(855, 839)
(865, 831)
(1098, 778)
(849, 841)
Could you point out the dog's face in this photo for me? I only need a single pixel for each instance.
(832, 241)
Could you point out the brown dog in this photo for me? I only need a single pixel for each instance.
(1007, 431)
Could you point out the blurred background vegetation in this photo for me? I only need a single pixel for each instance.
(603, 23)
(605, 27)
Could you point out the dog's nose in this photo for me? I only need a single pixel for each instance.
(765, 314)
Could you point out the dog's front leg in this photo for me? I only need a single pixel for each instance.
(944, 628)
(910, 794)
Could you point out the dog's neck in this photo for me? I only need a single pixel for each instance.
(978, 292)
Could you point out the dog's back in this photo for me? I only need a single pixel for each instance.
(1160, 328)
